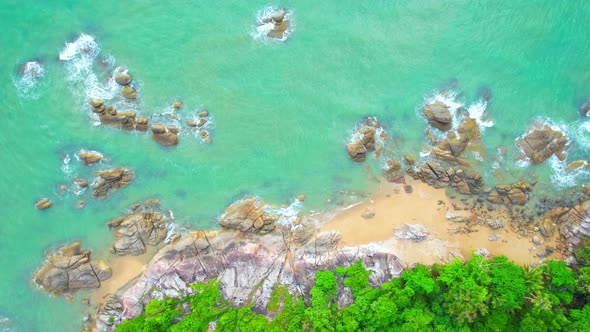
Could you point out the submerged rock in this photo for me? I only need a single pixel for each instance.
(438, 115)
(129, 92)
(393, 172)
(70, 268)
(112, 180)
(541, 143)
(43, 203)
(249, 215)
(517, 193)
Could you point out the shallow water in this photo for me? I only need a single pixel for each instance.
(282, 111)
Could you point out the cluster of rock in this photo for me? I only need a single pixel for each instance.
(70, 268)
(541, 143)
(112, 180)
(145, 225)
(412, 232)
(450, 148)
(572, 223)
(249, 215)
(200, 125)
(248, 266)
(165, 135)
(366, 138)
(393, 172)
(109, 116)
(513, 194)
(123, 78)
(435, 175)
(280, 24)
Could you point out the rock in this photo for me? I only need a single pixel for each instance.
(537, 241)
(121, 120)
(129, 92)
(191, 123)
(408, 189)
(90, 157)
(483, 252)
(122, 78)
(70, 268)
(177, 105)
(585, 109)
(134, 232)
(365, 139)
(204, 134)
(435, 175)
(517, 193)
(495, 223)
(279, 15)
(451, 148)
(577, 165)
(368, 213)
(203, 114)
(97, 106)
(43, 203)
(202, 122)
(141, 124)
(281, 25)
(542, 143)
(80, 204)
(414, 232)
(165, 135)
(301, 198)
(112, 180)
(245, 214)
(438, 115)
(248, 266)
(393, 172)
(494, 237)
(80, 183)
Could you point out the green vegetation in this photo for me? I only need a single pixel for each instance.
(478, 295)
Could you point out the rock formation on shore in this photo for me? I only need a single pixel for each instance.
(435, 175)
(249, 215)
(541, 143)
(70, 268)
(90, 157)
(517, 193)
(146, 225)
(573, 224)
(112, 180)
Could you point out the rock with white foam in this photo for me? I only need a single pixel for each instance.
(438, 115)
(541, 143)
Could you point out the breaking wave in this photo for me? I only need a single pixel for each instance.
(30, 75)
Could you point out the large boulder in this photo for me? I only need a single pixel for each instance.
(393, 172)
(450, 148)
(412, 232)
(165, 135)
(134, 232)
(438, 115)
(516, 193)
(541, 143)
(122, 120)
(70, 268)
(123, 78)
(249, 215)
(112, 180)
(129, 92)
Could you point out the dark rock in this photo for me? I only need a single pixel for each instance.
(129, 92)
(165, 135)
(247, 215)
(438, 115)
(122, 78)
(112, 180)
(542, 143)
(517, 193)
(43, 203)
(90, 157)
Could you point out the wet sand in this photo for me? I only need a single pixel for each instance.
(428, 206)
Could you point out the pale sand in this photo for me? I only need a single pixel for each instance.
(393, 207)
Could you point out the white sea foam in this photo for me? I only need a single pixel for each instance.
(580, 131)
(66, 168)
(287, 215)
(564, 177)
(27, 84)
(79, 57)
(263, 26)
(477, 111)
(538, 122)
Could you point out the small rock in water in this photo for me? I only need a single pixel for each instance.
(43, 203)
(203, 114)
(122, 78)
(301, 198)
(368, 213)
(414, 232)
(129, 92)
(90, 157)
(191, 123)
(177, 105)
(80, 204)
(494, 237)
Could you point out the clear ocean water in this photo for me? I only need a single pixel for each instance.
(282, 111)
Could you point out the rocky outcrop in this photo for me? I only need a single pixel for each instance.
(70, 268)
(412, 232)
(573, 224)
(134, 232)
(367, 137)
(517, 193)
(450, 149)
(165, 135)
(90, 157)
(435, 175)
(109, 116)
(438, 115)
(280, 24)
(541, 143)
(112, 180)
(43, 203)
(248, 267)
(393, 172)
(249, 215)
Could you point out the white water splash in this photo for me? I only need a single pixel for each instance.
(27, 85)
(79, 57)
(287, 215)
(564, 177)
(264, 25)
(477, 111)
(66, 168)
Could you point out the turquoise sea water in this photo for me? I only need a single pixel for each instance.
(282, 111)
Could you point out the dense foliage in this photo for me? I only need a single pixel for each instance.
(478, 295)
